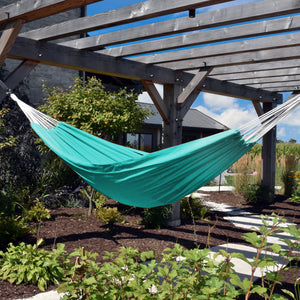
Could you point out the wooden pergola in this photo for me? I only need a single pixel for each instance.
(219, 51)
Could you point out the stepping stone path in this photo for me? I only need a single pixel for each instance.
(238, 217)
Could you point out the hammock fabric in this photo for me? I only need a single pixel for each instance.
(138, 178)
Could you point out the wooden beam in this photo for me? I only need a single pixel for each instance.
(252, 57)
(236, 77)
(258, 108)
(15, 77)
(236, 14)
(188, 96)
(128, 14)
(157, 99)
(272, 42)
(192, 86)
(294, 88)
(57, 55)
(8, 38)
(266, 27)
(30, 10)
(264, 66)
(267, 80)
(276, 84)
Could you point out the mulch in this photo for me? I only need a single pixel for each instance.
(72, 227)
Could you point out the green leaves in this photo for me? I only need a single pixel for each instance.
(89, 107)
(28, 264)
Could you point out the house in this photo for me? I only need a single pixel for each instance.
(195, 125)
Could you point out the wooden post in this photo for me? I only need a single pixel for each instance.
(269, 159)
(172, 135)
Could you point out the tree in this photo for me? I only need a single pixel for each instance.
(87, 106)
(292, 141)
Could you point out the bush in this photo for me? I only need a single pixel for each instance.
(37, 213)
(191, 207)
(26, 264)
(156, 217)
(252, 193)
(12, 228)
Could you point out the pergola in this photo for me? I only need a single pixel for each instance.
(219, 51)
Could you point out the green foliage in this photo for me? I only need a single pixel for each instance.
(252, 193)
(28, 264)
(191, 207)
(288, 174)
(37, 213)
(104, 213)
(296, 295)
(12, 228)
(179, 273)
(87, 106)
(156, 217)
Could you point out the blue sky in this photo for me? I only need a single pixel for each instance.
(232, 112)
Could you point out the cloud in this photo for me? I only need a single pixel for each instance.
(145, 98)
(219, 102)
(281, 132)
(293, 119)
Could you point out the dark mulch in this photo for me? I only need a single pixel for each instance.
(72, 227)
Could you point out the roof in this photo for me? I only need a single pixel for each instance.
(193, 119)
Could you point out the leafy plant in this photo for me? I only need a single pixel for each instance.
(178, 273)
(296, 295)
(12, 228)
(37, 213)
(252, 193)
(28, 264)
(192, 207)
(156, 217)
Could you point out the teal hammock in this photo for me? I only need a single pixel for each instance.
(142, 179)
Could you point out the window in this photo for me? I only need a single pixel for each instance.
(140, 141)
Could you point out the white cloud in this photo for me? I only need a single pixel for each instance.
(145, 98)
(293, 119)
(219, 102)
(281, 132)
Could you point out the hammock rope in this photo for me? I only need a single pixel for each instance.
(143, 179)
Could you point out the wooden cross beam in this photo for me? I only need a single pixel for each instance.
(30, 10)
(8, 37)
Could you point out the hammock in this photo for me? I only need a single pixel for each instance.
(143, 179)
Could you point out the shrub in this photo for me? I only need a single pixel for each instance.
(37, 213)
(156, 217)
(252, 193)
(12, 228)
(28, 264)
(191, 207)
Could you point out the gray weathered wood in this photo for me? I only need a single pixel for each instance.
(280, 25)
(242, 13)
(57, 55)
(192, 86)
(8, 37)
(269, 159)
(272, 42)
(267, 80)
(237, 77)
(30, 10)
(285, 89)
(252, 57)
(276, 84)
(264, 66)
(127, 14)
(258, 108)
(157, 99)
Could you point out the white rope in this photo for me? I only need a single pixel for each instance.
(255, 129)
(35, 116)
